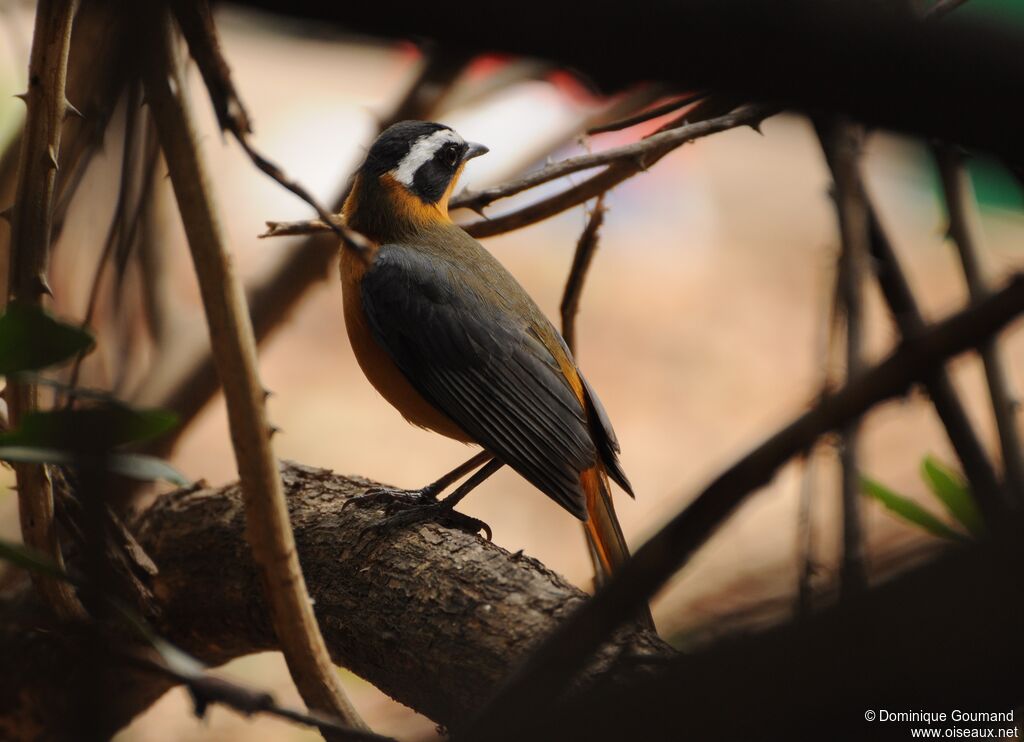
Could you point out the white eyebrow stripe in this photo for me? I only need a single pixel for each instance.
(422, 151)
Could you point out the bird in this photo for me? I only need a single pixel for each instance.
(452, 340)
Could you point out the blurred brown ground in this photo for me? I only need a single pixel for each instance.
(702, 327)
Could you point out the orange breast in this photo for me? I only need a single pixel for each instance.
(381, 371)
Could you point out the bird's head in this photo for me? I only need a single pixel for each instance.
(412, 168)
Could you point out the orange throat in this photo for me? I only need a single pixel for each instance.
(384, 209)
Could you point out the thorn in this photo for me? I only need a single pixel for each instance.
(70, 110)
(23, 97)
(42, 286)
(267, 394)
(756, 126)
(53, 157)
(947, 233)
(273, 430)
(7, 214)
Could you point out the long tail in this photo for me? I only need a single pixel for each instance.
(608, 549)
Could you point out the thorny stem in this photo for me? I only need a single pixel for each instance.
(31, 229)
(621, 163)
(234, 350)
(631, 158)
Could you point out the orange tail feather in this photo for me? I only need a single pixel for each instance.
(604, 534)
(608, 548)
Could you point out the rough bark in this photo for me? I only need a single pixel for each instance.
(433, 617)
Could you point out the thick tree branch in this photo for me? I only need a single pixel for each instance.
(431, 616)
(234, 351)
(31, 227)
(551, 667)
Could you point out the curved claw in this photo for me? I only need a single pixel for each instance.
(433, 511)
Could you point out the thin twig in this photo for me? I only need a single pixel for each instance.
(206, 689)
(196, 22)
(644, 116)
(965, 232)
(631, 158)
(540, 680)
(805, 538)
(301, 227)
(115, 228)
(825, 344)
(622, 163)
(842, 140)
(581, 259)
(102, 59)
(31, 228)
(234, 351)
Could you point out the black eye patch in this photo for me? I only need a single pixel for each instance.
(431, 180)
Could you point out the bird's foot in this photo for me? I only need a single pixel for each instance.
(392, 499)
(437, 512)
(402, 513)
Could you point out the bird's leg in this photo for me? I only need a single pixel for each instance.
(392, 497)
(442, 511)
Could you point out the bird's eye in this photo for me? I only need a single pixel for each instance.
(450, 155)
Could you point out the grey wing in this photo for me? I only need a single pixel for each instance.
(482, 368)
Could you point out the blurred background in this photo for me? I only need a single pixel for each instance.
(703, 326)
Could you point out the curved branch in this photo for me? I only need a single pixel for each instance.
(433, 617)
(622, 163)
(234, 351)
(642, 154)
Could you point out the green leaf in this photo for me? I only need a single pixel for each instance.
(30, 339)
(953, 493)
(908, 510)
(146, 468)
(89, 429)
(133, 465)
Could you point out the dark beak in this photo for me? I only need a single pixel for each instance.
(474, 150)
